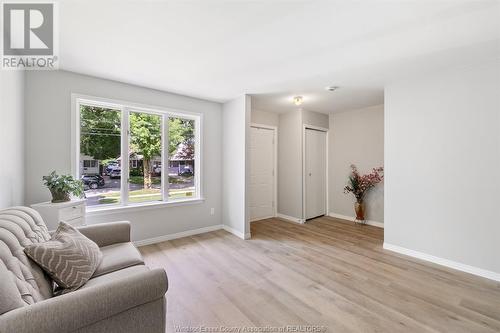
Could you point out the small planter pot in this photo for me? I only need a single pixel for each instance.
(359, 208)
(59, 196)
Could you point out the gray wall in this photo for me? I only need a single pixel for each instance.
(48, 146)
(265, 118)
(236, 122)
(356, 137)
(442, 159)
(291, 125)
(290, 164)
(12, 138)
(315, 119)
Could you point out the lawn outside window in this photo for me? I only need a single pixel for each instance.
(141, 155)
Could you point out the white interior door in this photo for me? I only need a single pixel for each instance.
(315, 173)
(262, 161)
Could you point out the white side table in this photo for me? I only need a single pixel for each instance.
(71, 212)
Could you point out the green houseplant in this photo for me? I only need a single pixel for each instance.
(63, 186)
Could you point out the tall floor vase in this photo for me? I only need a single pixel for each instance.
(359, 208)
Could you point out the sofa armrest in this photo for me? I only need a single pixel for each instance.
(80, 308)
(104, 234)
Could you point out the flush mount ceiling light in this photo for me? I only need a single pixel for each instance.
(331, 88)
(298, 100)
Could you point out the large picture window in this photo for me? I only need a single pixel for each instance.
(129, 155)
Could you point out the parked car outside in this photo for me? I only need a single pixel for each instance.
(115, 173)
(93, 181)
(110, 167)
(186, 173)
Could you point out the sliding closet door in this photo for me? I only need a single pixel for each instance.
(315, 173)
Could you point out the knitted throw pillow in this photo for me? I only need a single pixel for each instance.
(68, 257)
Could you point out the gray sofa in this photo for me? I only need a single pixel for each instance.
(122, 296)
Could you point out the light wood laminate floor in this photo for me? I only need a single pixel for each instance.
(327, 272)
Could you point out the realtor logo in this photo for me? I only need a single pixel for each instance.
(29, 36)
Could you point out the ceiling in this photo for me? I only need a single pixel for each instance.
(274, 50)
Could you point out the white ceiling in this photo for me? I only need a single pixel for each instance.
(273, 50)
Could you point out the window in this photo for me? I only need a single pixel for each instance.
(181, 151)
(100, 133)
(89, 163)
(141, 154)
(145, 143)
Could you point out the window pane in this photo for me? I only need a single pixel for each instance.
(181, 169)
(145, 157)
(100, 131)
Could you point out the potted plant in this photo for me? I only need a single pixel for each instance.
(359, 186)
(63, 186)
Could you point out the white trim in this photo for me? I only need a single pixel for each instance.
(236, 232)
(164, 158)
(198, 155)
(115, 209)
(125, 155)
(263, 126)
(444, 262)
(181, 234)
(327, 172)
(353, 218)
(139, 107)
(275, 165)
(326, 131)
(262, 218)
(317, 128)
(303, 149)
(291, 218)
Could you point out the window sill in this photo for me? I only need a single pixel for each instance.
(97, 211)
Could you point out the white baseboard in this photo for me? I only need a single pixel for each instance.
(181, 234)
(262, 218)
(290, 218)
(444, 262)
(352, 218)
(236, 232)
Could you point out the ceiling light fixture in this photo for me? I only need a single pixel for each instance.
(298, 100)
(331, 88)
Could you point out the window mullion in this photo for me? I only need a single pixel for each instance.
(164, 158)
(125, 139)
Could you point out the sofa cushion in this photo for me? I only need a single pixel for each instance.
(118, 256)
(68, 257)
(116, 275)
(20, 227)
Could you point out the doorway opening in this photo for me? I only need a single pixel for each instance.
(315, 176)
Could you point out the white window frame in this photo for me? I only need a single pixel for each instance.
(125, 108)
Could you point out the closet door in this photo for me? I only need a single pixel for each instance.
(315, 173)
